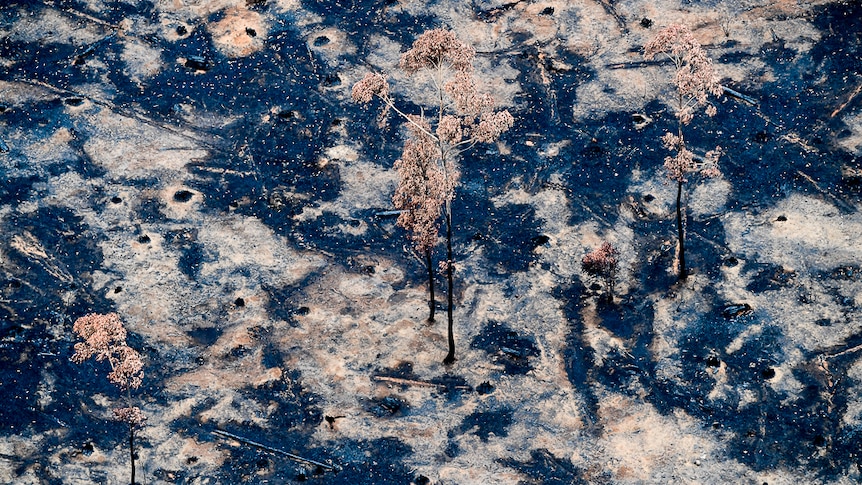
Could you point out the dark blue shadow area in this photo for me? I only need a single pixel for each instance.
(774, 430)
(769, 277)
(602, 155)
(706, 247)
(632, 321)
(18, 189)
(39, 120)
(58, 64)
(509, 234)
(55, 251)
(487, 424)
(111, 12)
(273, 190)
(578, 353)
(281, 302)
(361, 462)
(452, 386)
(656, 254)
(326, 233)
(280, 76)
(621, 319)
(383, 466)
(795, 104)
(506, 347)
(192, 252)
(548, 91)
(388, 407)
(545, 468)
(360, 19)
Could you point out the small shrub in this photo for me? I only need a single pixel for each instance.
(602, 263)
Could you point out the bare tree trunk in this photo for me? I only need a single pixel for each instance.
(683, 272)
(431, 303)
(450, 357)
(132, 449)
(609, 284)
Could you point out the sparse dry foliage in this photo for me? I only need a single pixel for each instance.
(371, 85)
(602, 263)
(694, 76)
(428, 168)
(131, 415)
(423, 187)
(685, 162)
(105, 340)
(435, 48)
(695, 80)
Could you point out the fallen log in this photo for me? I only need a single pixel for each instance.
(736, 94)
(246, 441)
(849, 100)
(415, 383)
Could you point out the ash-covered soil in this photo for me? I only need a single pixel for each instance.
(199, 168)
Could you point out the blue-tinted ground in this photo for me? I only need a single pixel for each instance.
(288, 105)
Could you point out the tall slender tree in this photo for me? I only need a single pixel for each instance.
(105, 340)
(694, 80)
(420, 194)
(459, 118)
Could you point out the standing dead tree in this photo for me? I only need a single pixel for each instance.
(458, 118)
(105, 340)
(421, 192)
(694, 79)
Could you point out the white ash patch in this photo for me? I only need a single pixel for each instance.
(852, 417)
(853, 142)
(51, 149)
(815, 236)
(128, 148)
(142, 60)
(708, 197)
(50, 26)
(331, 44)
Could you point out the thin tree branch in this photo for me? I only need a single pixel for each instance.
(407, 118)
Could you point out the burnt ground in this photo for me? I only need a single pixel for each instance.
(199, 168)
